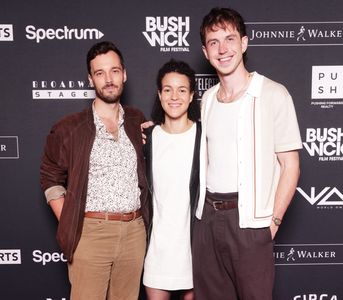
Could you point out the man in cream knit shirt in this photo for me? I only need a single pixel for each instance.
(249, 169)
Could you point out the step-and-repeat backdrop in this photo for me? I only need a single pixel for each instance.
(43, 46)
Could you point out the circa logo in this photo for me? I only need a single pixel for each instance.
(169, 33)
(39, 34)
(326, 143)
(62, 89)
(46, 257)
(6, 32)
(316, 297)
(327, 196)
(204, 82)
(294, 33)
(10, 257)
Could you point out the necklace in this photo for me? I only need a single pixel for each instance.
(224, 98)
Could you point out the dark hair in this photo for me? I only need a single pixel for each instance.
(102, 48)
(180, 67)
(221, 17)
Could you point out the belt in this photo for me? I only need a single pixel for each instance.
(125, 217)
(222, 204)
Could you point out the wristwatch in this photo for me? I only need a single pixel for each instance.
(277, 221)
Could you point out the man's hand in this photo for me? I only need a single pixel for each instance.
(145, 125)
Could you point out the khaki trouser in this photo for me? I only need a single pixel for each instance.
(108, 260)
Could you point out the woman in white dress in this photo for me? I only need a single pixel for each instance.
(172, 155)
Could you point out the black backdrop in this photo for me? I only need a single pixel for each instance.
(43, 45)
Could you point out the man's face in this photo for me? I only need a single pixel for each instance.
(107, 76)
(224, 48)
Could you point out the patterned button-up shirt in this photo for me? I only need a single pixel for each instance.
(112, 179)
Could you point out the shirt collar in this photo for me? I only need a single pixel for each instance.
(99, 125)
(255, 86)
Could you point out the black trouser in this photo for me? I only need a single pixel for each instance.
(230, 262)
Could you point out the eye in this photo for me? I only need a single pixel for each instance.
(97, 74)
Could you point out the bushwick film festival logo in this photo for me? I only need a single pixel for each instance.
(169, 33)
(62, 89)
(295, 33)
(6, 32)
(65, 33)
(324, 143)
(327, 83)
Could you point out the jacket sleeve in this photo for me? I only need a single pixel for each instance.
(53, 169)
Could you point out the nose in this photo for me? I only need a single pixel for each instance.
(108, 77)
(174, 95)
(222, 47)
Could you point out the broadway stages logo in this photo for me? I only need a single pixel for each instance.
(9, 147)
(324, 143)
(168, 33)
(204, 82)
(62, 89)
(327, 84)
(323, 198)
(295, 33)
(308, 254)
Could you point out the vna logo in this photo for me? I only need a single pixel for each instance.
(327, 197)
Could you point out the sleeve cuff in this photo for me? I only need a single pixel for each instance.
(54, 192)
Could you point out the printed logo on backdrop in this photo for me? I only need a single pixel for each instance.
(168, 33)
(64, 33)
(326, 144)
(311, 296)
(44, 258)
(308, 254)
(325, 198)
(327, 86)
(10, 257)
(295, 33)
(6, 32)
(204, 82)
(9, 147)
(62, 89)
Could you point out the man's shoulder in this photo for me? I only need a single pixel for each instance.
(73, 119)
(131, 111)
(270, 85)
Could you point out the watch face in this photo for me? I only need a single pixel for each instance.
(277, 221)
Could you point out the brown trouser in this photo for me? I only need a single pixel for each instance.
(108, 260)
(230, 262)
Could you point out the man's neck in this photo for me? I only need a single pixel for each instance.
(233, 86)
(105, 110)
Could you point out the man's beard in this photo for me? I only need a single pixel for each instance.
(112, 98)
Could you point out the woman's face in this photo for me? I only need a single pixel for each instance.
(175, 95)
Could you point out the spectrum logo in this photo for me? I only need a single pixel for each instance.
(170, 33)
(65, 33)
(6, 32)
(10, 257)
